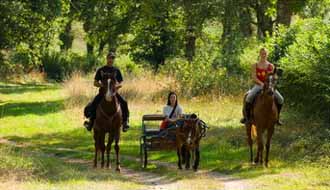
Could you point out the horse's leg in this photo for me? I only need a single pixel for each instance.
(102, 146)
(249, 140)
(269, 137)
(117, 151)
(187, 158)
(179, 153)
(183, 158)
(96, 148)
(110, 141)
(197, 157)
(259, 147)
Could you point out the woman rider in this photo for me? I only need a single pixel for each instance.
(259, 72)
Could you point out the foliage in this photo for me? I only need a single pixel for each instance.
(31, 24)
(127, 66)
(306, 65)
(156, 33)
(59, 66)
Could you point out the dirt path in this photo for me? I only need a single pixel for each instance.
(203, 179)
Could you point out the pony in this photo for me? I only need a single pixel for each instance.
(108, 120)
(188, 139)
(264, 118)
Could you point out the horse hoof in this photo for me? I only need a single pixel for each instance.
(118, 169)
(180, 168)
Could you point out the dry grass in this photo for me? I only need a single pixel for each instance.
(144, 88)
(79, 90)
(28, 78)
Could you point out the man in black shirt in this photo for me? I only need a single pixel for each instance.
(109, 68)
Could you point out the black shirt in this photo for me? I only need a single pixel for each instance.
(108, 69)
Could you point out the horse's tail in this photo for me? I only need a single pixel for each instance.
(253, 132)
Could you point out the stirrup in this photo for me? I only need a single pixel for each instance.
(125, 126)
(279, 123)
(88, 125)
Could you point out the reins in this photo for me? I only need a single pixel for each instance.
(110, 118)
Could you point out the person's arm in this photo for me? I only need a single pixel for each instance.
(118, 85)
(165, 114)
(180, 111)
(97, 79)
(254, 75)
(97, 83)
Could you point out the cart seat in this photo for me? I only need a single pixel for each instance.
(151, 132)
(153, 117)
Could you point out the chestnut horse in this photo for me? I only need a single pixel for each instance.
(108, 120)
(264, 118)
(188, 138)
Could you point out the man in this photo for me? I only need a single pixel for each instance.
(91, 108)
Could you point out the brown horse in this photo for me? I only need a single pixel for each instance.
(187, 141)
(108, 120)
(265, 116)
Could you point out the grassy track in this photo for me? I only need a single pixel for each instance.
(40, 132)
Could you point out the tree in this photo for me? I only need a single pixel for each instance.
(195, 13)
(156, 32)
(31, 24)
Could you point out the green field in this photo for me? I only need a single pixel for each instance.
(44, 146)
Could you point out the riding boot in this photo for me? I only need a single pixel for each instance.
(125, 126)
(90, 111)
(247, 116)
(125, 111)
(89, 124)
(279, 107)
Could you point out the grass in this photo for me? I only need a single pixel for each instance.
(41, 133)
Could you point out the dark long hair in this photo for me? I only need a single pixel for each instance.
(169, 96)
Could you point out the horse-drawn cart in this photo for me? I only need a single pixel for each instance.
(152, 139)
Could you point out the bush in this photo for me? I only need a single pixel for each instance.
(201, 78)
(60, 65)
(306, 63)
(126, 65)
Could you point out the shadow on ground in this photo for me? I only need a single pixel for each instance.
(22, 88)
(37, 108)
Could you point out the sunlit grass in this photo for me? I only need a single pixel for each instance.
(41, 126)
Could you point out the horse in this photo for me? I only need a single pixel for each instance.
(187, 141)
(264, 118)
(108, 120)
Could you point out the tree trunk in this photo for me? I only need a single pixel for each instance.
(190, 45)
(284, 12)
(66, 37)
(265, 22)
(245, 22)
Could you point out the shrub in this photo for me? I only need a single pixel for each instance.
(306, 80)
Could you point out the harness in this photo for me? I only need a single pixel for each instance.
(202, 124)
(110, 118)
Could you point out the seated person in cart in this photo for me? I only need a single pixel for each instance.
(172, 111)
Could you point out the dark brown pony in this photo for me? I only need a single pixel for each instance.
(108, 120)
(265, 115)
(187, 141)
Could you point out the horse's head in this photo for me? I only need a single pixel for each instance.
(270, 84)
(109, 85)
(191, 128)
